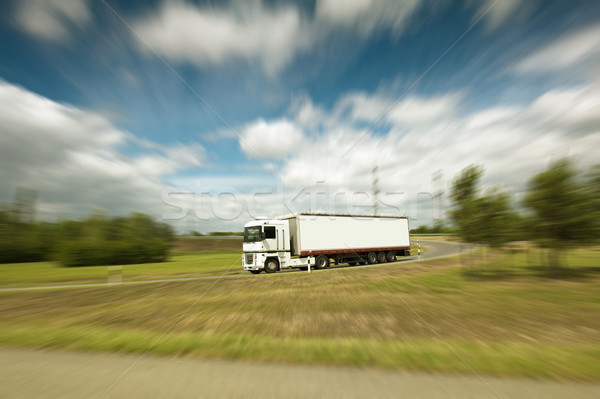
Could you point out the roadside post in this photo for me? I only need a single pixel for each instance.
(115, 275)
(309, 264)
(418, 251)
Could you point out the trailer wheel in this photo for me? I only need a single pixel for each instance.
(381, 257)
(391, 256)
(372, 258)
(322, 262)
(271, 265)
(255, 271)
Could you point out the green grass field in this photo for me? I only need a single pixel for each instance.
(200, 262)
(180, 265)
(504, 317)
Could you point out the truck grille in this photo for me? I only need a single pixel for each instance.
(249, 259)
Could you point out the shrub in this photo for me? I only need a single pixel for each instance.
(96, 240)
(22, 250)
(111, 252)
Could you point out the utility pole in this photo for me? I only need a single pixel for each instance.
(375, 191)
(437, 179)
(24, 205)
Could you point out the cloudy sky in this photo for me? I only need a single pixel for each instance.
(228, 110)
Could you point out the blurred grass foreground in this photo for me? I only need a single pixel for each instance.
(411, 315)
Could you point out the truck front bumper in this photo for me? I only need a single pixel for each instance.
(253, 261)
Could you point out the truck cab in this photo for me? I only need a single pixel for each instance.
(266, 243)
(267, 246)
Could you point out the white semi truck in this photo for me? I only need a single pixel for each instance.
(312, 240)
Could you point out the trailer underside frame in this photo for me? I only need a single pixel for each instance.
(353, 251)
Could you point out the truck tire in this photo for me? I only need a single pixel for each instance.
(352, 263)
(271, 265)
(372, 258)
(255, 271)
(381, 257)
(322, 262)
(390, 256)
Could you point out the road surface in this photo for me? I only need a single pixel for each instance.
(54, 374)
(435, 249)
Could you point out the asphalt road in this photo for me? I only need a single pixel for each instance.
(435, 249)
(438, 249)
(54, 374)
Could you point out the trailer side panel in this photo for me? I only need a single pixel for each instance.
(345, 234)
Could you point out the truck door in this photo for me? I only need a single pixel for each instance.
(270, 238)
(283, 239)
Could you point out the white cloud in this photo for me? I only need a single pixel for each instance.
(273, 139)
(251, 31)
(513, 143)
(52, 19)
(412, 111)
(205, 36)
(500, 12)
(171, 159)
(305, 112)
(366, 15)
(574, 49)
(73, 158)
(574, 111)
(362, 106)
(415, 111)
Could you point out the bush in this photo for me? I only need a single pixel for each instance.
(22, 250)
(106, 252)
(25, 242)
(96, 240)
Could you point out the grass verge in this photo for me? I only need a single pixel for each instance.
(520, 322)
(499, 358)
(179, 265)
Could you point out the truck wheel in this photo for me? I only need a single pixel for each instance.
(322, 262)
(381, 257)
(391, 256)
(255, 271)
(352, 263)
(372, 258)
(271, 266)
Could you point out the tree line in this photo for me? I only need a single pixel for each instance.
(96, 240)
(560, 210)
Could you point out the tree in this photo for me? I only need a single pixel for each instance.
(563, 208)
(482, 218)
(437, 228)
(592, 185)
(463, 195)
(498, 223)
(101, 241)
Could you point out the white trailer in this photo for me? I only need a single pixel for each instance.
(298, 241)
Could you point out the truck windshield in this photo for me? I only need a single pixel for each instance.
(252, 234)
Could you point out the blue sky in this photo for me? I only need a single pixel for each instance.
(274, 106)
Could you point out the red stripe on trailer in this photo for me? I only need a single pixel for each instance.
(350, 251)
